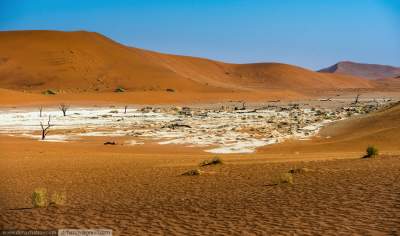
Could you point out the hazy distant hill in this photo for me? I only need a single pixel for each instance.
(369, 71)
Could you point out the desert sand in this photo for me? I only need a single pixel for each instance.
(140, 190)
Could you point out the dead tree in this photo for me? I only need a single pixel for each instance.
(40, 111)
(45, 130)
(357, 97)
(64, 108)
(126, 107)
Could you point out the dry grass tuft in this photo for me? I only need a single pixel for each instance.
(285, 178)
(58, 199)
(213, 161)
(49, 92)
(39, 198)
(194, 172)
(371, 152)
(119, 90)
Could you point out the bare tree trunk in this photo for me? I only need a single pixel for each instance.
(40, 111)
(357, 97)
(125, 109)
(45, 130)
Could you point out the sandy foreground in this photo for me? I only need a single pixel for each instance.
(140, 190)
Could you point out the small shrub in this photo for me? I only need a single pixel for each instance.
(119, 90)
(58, 199)
(213, 161)
(371, 152)
(285, 178)
(170, 90)
(194, 172)
(39, 197)
(110, 143)
(50, 92)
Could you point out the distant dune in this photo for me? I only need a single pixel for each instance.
(369, 71)
(89, 62)
(381, 129)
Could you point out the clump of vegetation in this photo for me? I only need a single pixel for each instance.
(371, 152)
(170, 90)
(110, 143)
(39, 198)
(299, 170)
(58, 199)
(120, 90)
(194, 172)
(285, 178)
(213, 161)
(49, 92)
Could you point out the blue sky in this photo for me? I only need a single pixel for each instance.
(308, 33)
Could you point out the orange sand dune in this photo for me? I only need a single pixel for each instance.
(89, 62)
(388, 83)
(80, 61)
(274, 75)
(381, 129)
